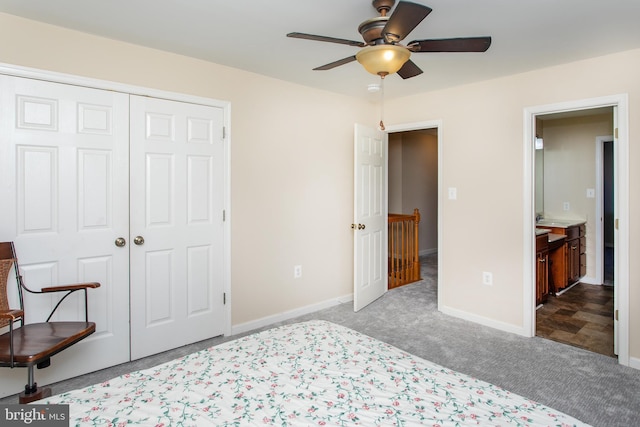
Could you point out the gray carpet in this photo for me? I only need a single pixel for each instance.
(589, 386)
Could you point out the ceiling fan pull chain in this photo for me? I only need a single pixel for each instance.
(381, 102)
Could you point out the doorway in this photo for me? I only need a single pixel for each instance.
(414, 171)
(619, 106)
(605, 146)
(413, 181)
(571, 187)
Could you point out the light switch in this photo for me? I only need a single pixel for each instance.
(453, 193)
(591, 193)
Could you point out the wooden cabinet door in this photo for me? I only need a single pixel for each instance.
(573, 261)
(542, 277)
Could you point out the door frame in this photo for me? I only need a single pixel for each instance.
(621, 203)
(32, 73)
(429, 124)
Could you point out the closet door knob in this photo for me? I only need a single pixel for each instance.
(138, 240)
(120, 242)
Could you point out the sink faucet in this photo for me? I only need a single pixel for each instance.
(538, 218)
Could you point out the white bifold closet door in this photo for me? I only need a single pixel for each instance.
(64, 165)
(82, 167)
(177, 197)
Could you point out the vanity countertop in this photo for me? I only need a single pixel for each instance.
(559, 223)
(541, 231)
(555, 237)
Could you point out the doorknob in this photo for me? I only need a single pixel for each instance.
(138, 240)
(120, 242)
(361, 226)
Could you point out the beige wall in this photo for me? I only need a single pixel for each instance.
(394, 166)
(292, 160)
(482, 139)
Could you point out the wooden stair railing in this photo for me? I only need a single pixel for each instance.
(404, 262)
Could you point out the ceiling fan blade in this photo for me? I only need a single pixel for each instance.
(462, 44)
(403, 20)
(336, 63)
(325, 39)
(409, 69)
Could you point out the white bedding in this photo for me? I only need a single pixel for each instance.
(312, 373)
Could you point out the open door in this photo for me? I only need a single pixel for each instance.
(616, 241)
(370, 216)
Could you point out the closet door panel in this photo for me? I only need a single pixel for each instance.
(64, 164)
(177, 195)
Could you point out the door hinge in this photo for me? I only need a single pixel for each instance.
(615, 133)
(616, 315)
(224, 298)
(224, 215)
(616, 224)
(224, 132)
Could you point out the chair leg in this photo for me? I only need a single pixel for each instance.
(31, 391)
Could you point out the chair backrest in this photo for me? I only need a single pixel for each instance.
(6, 262)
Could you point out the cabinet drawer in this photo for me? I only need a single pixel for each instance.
(542, 242)
(573, 232)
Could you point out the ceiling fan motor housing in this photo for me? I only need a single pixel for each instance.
(371, 29)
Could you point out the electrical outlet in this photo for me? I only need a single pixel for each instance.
(297, 272)
(487, 278)
(566, 206)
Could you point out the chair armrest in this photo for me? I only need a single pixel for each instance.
(11, 314)
(74, 287)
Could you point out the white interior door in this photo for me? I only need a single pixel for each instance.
(616, 238)
(177, 202)
(64, 191)
(370, 216)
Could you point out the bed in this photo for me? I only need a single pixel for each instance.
(310, 373)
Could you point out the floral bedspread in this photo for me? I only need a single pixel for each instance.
(305, 374)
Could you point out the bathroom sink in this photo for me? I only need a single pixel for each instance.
(559, 222)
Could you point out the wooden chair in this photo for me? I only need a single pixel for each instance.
(33, 344)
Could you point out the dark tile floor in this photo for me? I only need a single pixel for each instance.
(582, 317)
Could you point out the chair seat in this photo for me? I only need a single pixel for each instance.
(36, 342)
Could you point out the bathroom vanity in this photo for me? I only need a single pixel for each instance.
(566, 248)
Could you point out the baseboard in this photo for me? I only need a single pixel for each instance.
(281, 317)
(589, 280)
(505, 327)
(426, 252)
(634, 362)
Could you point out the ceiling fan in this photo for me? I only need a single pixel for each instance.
(382, 52)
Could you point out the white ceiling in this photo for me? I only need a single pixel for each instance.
(251, 34)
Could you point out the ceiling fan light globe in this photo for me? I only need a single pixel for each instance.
(383, 59)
